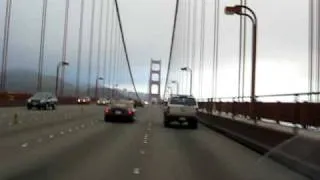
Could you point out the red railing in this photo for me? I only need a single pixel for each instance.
(304, 113)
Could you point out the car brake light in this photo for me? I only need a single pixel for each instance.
(130, 112)
(106, 110)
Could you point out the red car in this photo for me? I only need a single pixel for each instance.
(84, 100)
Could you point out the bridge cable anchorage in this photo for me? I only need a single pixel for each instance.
(126, 52)
(79, 53)
(91, 47)
(171, 47)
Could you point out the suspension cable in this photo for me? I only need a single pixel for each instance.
(171, 46)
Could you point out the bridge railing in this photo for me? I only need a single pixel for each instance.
(20, 99)
(299, 111)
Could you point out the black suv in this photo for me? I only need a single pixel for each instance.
(42, 100)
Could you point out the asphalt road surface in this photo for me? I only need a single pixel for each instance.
(75, 143)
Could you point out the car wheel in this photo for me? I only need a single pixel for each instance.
(193, 124)
(29, 107)
(106, 119)
(53, 106)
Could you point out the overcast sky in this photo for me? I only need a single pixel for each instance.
(282, 41)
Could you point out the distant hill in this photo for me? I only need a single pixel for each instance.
(25, 81)
(21, 80)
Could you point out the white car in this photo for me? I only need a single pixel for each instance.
(182, 109)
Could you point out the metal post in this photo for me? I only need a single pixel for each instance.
(57, 79)
(6, 35)
(96, 89)
(253, 68)
(190, 82)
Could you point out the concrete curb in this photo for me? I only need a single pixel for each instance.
(294, 163)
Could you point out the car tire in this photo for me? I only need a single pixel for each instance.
(193, 124)
(29, 107)
(53, 106)
(106, 119)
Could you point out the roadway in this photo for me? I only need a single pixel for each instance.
(74, 142)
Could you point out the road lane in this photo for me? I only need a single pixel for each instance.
(146, 150)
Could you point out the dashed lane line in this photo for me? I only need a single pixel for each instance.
(24, 145)
(51, 136)
(136, 171)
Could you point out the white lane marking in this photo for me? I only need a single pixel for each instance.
(142, 152)
(39, 140)
(145, 142)
(24, 145)
(145, 138)
(77, 128)
(136, 171)
(51, 136)
(61, 132)
(70, 130)
(82, 126)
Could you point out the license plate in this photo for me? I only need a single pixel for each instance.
(182, 118)
(118, 112)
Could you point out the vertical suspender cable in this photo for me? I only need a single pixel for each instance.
(194, 35)
(240, 51)
(214, 46)
(106, 47)
(6, 35)
(42, 39)
(79, 48)
(99, 40)
(202, 34)
(111, 49)
(318, 48)
(311, 2)
(217, 21)
(64, 46)
(91, 47)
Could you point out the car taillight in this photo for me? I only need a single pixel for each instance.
(130, 112)
(107, 110)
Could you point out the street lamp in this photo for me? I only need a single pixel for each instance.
(177, 85)
(190, 70)
(60, 64)
(170, 93)
(97, 82)
(114, 89)
(230, 10)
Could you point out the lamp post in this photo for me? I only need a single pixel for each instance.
(97, 83)
(170, 92)
(190, 70)
(177, 86)
(60, 64)
(114, 88)
(231, 10)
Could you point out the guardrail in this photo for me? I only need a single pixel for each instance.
(304, 113)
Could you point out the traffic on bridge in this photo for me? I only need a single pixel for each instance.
(159, 89)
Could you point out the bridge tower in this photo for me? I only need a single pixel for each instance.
(155, 80)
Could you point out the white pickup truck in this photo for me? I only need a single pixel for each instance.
(181, 108)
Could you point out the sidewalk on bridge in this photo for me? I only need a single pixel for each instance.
(313, 132)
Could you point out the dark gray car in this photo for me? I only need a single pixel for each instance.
(42, 100)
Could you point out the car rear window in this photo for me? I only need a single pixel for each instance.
(183, 101)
